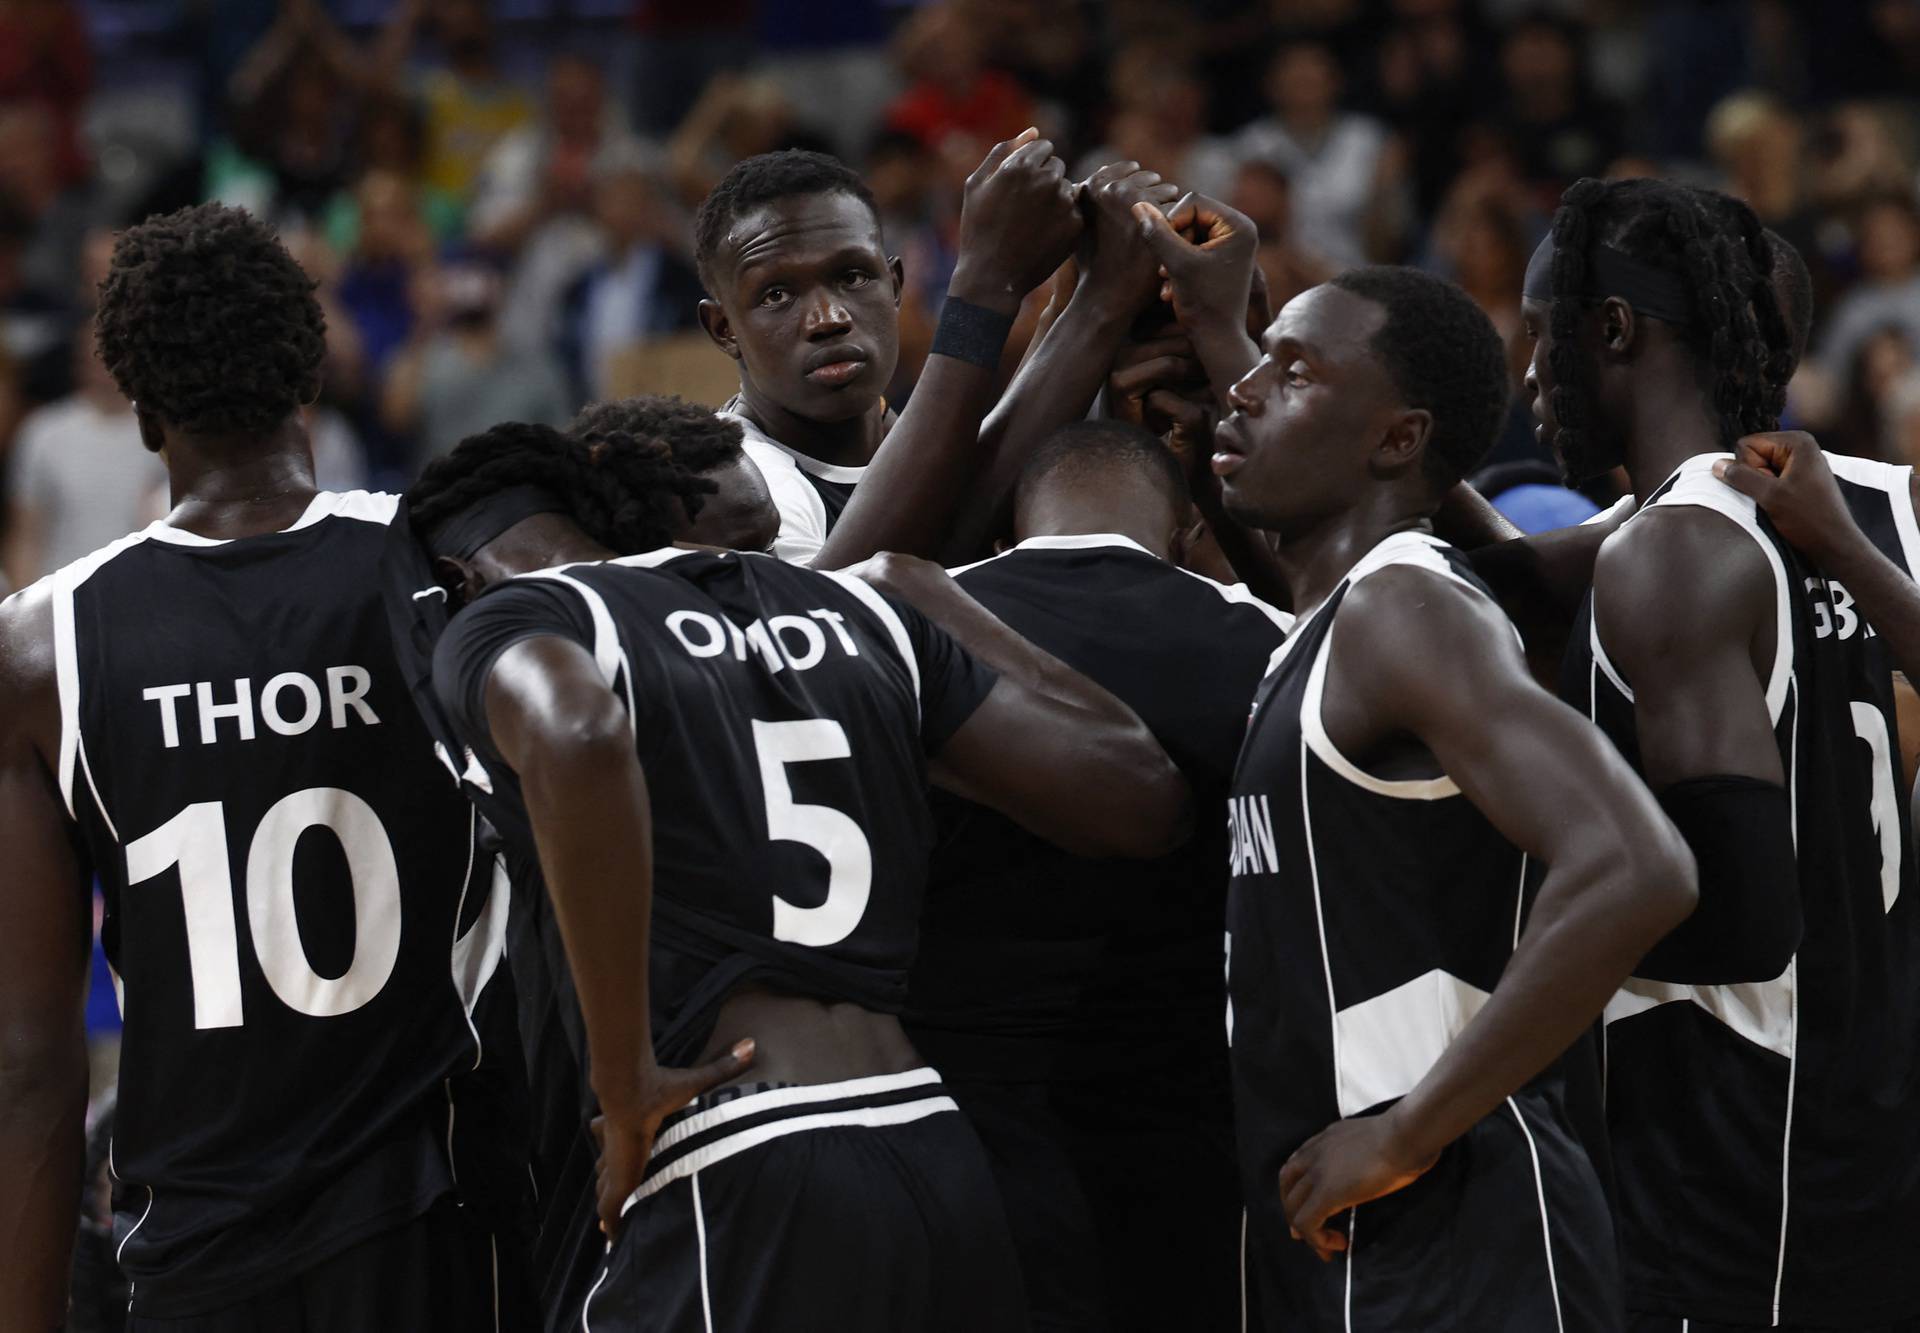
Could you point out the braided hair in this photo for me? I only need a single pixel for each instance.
(1736, 328)
(627, 494)
(700, 439)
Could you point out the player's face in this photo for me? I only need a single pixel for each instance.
(1306, 418)
(741, 515)
(809, 305)
(1591, 457)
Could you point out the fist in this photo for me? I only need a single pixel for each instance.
(1206, 253)
(1019, 221)
(1113, 253)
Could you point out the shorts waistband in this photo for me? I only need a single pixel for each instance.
(717, 1126)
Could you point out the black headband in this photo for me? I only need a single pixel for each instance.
(1612, 273)
(479, 523)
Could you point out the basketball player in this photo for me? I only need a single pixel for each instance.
(805, 299)
(205, 716)
(760, 734)
(1073, 1005)
(1760, 1068)
(1388, 959)
(738, 514)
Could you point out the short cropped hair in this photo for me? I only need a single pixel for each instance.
(761, 180)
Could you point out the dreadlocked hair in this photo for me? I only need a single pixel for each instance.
(1671, 228)
(1770, 314)
(700, 439)
(619, 489)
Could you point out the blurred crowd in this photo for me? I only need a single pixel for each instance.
(495, 199)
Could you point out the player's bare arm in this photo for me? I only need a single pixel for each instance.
(1116, 277)
(1018, 222)
(554, 720)
(1697, 653)
(45, 933)
(1048, 748)
(1417, 662)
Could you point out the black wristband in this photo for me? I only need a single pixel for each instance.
(971, 333)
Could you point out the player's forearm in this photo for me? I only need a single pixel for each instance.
(1226, 353)
(1054, 387)
(587, 800)
(1594, 919)
(43, 1106)
(908, 496)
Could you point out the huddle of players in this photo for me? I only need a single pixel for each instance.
(740, 941)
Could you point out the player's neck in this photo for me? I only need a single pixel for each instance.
(1067, 515)
(1665, 429)
(230, 487)
(849, 443)
(1316, 555)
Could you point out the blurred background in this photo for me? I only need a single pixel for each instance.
(495, 195)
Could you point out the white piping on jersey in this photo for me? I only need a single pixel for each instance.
(1237, 593)
(63, 583)
(1520, 900)
(587, 1304)
(366, 506)
(1353, 1227)
(1409, 550)
(493, 1246)
(1320, 925)
(700, 1236)
(866, 1117)
(1896, 481)
(1243, 1269)
(752, 434)
(890, 618)
(607, 653)
(1546, 1227)
(1693, 484)
(1786, 1137)
(136, 1227)
(775, 1098)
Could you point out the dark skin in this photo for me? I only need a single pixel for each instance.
(1321, 449)
(223, 489)
(1787, 475)
(740, 515)
(809, 308)
(1039, 747)
(1699, 666)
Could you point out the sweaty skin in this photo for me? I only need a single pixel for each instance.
(1321, 450)
(1046, 747)
(222, 489)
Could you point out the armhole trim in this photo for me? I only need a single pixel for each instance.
(891, 619)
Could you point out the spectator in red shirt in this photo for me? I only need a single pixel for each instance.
(954, 104)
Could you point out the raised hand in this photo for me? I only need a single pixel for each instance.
(1348, 1163)
(1114, 258)
(1019, 221)
(1786, 473)
(1209, 278)
(1158, 382)
(625, 1134)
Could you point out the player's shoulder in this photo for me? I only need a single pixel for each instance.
(1681, 552)
(1894, 478)
(27, 640)
(376, 507)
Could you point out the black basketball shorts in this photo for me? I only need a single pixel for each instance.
(858, 1207)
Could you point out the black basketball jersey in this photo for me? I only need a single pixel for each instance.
(296, 914)
(1764, 1134)
(783, 718)
(1368, 921)
(1038, 963)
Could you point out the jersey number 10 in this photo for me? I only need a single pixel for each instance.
(195, 840)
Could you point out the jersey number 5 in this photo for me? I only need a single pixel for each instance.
(829, 832)
(196, 841)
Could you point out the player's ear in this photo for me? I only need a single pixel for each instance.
(899, 271)
(152, 437)
(719, 328)
(458, 578)
(1618, 327)
(1405, 440)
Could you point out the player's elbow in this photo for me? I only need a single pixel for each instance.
(1665, 878)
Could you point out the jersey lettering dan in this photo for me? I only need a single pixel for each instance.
(809, 494)
(783, 718)
(1763, 1134)
(1368, 921)
(296, 915)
